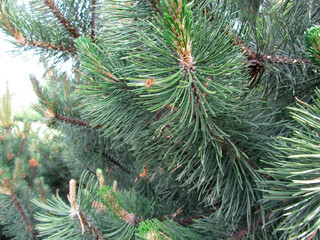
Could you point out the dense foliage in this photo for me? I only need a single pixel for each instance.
(182, 119)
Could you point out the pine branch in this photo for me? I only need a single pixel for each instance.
(154, 4)
(90, 227)
(79, 122)
(65, 22)
(21, 146)
(76, 122)
(48, 46)
(20, 39)
(257, 61)
(21, 210)
(93, 5)
(117, 163)
(242, 233)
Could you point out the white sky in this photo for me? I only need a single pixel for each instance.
(16, 70)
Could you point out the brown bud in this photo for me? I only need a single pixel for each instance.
(144, 173)
(86, 148)
(10, 156)
(33, 163)
(149, 82)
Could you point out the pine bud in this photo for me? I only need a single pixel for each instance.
(100, 177)
(144, 173)
(72, 194)
(149, 82)
(33, 163)
(9, 156)
(115, 186)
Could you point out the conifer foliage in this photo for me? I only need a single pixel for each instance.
(183, 119)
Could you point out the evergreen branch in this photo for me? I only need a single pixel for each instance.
(21, 210)
(242, 233)
(21, 40)
(109, 198)
(188, 220)
(93, 3)
(154, 4)
(49, 46)
(75, 211)
(21, 146)
(65, 22)
(90, 227)
(257, 61)
(74, 121)
(86, 124)
(111, 159)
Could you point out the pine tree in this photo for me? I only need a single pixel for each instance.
(183, 119)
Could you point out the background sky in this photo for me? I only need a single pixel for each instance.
(16, 68)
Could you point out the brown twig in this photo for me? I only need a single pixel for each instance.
(86, 124)
(115, 162)
(243, 232)
(21, 210)
(50, 46)
(154, 4)
(23, 41)
(75, 121)
(93, 16)
(22, 146)
(90, 227)
(65, 22)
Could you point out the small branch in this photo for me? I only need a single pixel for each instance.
(32, 176)
(114, 161)
(188, 220)
(82, 123)
(90, 227)
(257, 62)
(74, 121)
(21, 210)
(243, 232)
(20, 38)
(49, 46)
(93, 16)
(65, 22)
(154, 4)
(21, 147)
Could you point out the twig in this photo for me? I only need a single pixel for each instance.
(21, 146)
(154, 4)
(75, 121)
(111, 159)
(21, 210)
(65, 22)
(93, 16)
(90, 227)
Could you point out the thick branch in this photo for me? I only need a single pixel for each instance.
(65, 22)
